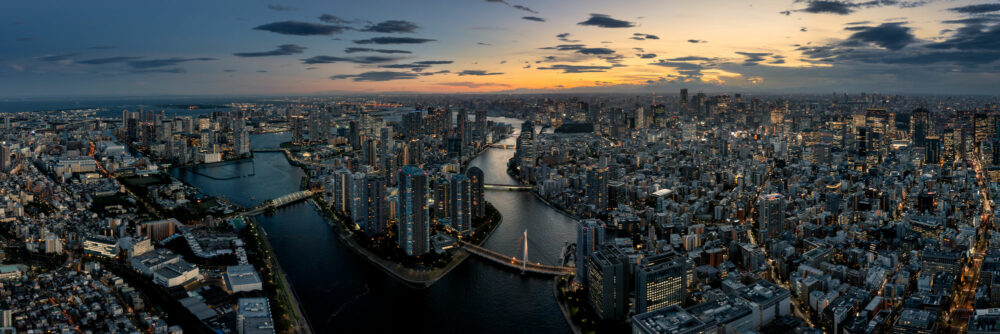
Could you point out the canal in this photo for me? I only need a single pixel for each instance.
(342, 293)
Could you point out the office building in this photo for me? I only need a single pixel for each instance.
(413, 224)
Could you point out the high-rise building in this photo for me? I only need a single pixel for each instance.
(589, 237)
(359, 210)
(660, 281)
(920, 123)
(298, 131)
(375, 222)
(606, 282)
(771, 221)
(684, 100)
(413, 225)
(412, 124)
(476, 179)
(339, 188)
(462, 127)
(354, 135)
(597, 188)
(932, 149)
(459, 203)
(441, 194)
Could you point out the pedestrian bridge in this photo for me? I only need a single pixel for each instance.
(513, 187)
(277, 202)
(515, 263)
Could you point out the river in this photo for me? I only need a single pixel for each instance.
(342, 293)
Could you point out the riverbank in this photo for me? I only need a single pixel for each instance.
(274, 276)
(413, 278)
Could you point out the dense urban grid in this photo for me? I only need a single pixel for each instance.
(695, 213)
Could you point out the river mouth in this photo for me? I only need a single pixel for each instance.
(341, 292)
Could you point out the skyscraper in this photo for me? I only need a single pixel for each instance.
(684, 99)
(606, 282)
(772, 217)
(414, 227)
(476, 179)
(298, 123)
(597, 188)
(459, 203)
(375, 222)
(660, 281)
(919, 124)
(589, 236)
(359, 211)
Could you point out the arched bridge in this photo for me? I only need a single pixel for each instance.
(277, 202)
(515, 263)
(506, 187)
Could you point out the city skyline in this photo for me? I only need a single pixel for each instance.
(496, 46)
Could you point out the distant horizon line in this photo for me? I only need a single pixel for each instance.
(675, 92)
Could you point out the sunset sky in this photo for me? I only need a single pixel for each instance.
(53, 48)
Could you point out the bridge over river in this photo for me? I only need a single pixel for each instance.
(515, 263)
(275, 203)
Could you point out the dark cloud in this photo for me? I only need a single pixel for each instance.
(389, 51)
(280, 8)
(175, 70)
(107, 60)
(892, 35)
(855, 23)
(415, 67)
(831, 7)
(393, 40)
(518, 7)
(377, 76)
(355, 60)
(576, 68)
(844, 7)
(696, 41)
(685, 69)
(977, 20)
(261, 71)
(164, 62)
(229, 71)
(418, 66)
(282, 50)
(605, 21)
(55, 58)
(392, 26)
(785, 12)
(642, 37)
(332, 19)
(565, 38)
(972, 37)
(477, 73)
(596, 51)
(646, 55)
(302, 28)
(564, 47)
(753, 58)
(483, 43)
(533, 18)
(803, 29)
(977, 9)
(469, 84)
(692, 58)
(435, 62)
